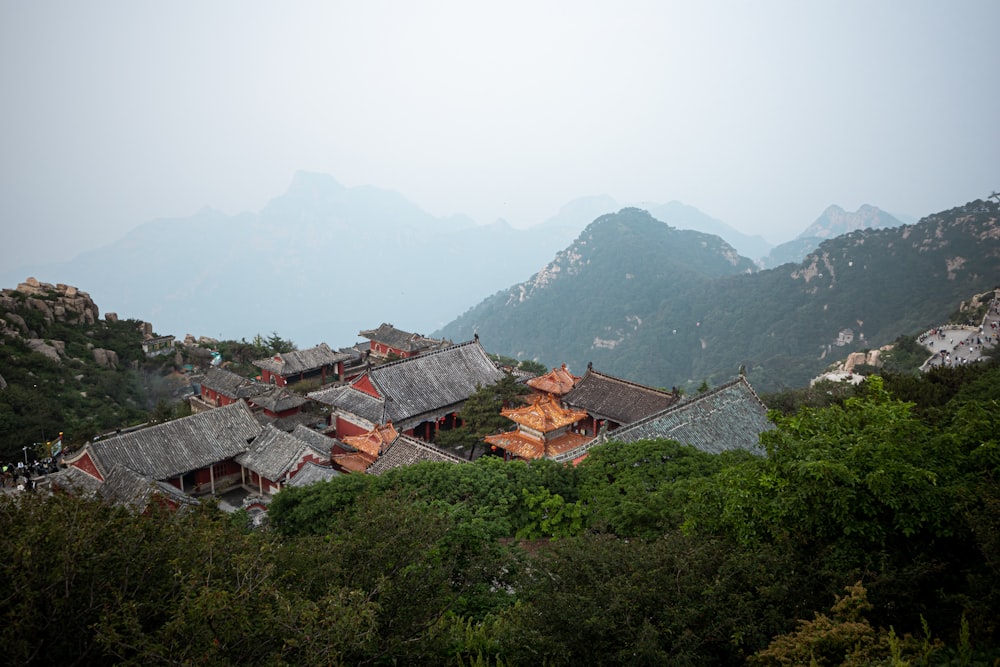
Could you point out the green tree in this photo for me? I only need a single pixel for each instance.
(532, 366)
(679, 599)
(276, 344)
(480, 414)
(635, 489)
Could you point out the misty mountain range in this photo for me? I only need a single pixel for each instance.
(670, 307)
(322, 261)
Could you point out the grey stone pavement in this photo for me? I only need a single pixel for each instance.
(953, 345)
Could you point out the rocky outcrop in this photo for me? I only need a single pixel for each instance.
(870, 358)
(15, 323)
(56, 303)
(106, 358)
(205, 341)
(843, 371)
(54, 349)
(33, 302)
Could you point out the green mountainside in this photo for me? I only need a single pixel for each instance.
(597, 293)
(670, 308)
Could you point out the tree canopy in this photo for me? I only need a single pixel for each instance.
(867, 534)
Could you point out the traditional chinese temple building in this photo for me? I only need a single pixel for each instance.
(388, 341)
(419, 395)
(545, 430)
(320, 363)
(611, 402)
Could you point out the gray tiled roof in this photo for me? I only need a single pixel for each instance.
(286, 424)
(405, 451)
(416, 388)
(75, 481)
(277, 399)
(232, 385)
(301, 361)
(273, 453)
(128, 487)
(180, 446)
(399, 339)
(346, 399)
(311, 473)
(607, 397)
(728, 417)
(316, 440)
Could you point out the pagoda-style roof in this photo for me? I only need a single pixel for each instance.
(543, 414)
(405, 451)
(178, 446)
(610, 398)
(301, 361)
(353, 462)
(522, 445)
(728, 417)
(558, 381)
(415, 389)
(398, 339)
(375, 441)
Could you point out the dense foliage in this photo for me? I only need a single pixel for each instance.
(868, 535)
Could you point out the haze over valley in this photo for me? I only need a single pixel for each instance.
(761, 116)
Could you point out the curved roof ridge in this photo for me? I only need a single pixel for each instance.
(424, 355)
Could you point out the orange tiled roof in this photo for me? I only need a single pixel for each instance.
(518, 444)
(524, 446)
(355, 462)
(544, 414)
(374, 441)
(558, 381)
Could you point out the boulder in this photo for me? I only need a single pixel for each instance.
(111, 317)
(17, 321)
(41, 306)
(106, 358)
(42, 347)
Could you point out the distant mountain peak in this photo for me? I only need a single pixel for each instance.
(306, 181)
(835, 221)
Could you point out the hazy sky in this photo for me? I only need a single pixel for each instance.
(758, 113)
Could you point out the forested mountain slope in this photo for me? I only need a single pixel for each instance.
(669, 308)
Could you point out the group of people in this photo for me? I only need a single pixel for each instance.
(962, 344)
(21, 476)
